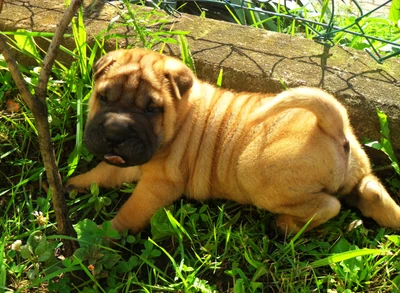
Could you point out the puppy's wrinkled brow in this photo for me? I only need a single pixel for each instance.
(102, 67)
(125, 70)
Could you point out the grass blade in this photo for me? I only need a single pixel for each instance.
(348, 255)
(186, 54)
(27, 44)
(2, 266)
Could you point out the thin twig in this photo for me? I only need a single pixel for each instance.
(16, 73)
(41, 90)
(38, 107)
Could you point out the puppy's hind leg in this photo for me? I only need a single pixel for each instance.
(371, 197)
(320, 207)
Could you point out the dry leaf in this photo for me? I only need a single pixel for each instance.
(12, 106)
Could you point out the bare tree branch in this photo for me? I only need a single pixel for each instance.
(38, 107)
(15, 73)
(41, 90)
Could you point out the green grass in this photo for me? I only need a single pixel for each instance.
(217, 246)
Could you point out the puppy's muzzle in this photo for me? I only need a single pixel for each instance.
(122, 139)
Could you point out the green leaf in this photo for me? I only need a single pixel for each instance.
(25, 252)
(261, 271)
(133, 262)
(81, 253)
(385, 144)
(112, 283)
(98, 267)
(239, 286)
(46, 255)
(73, 159)
(394, 13)
(34, 239)
(73, 194)
(110, 259)
(126, 266)
(204, 217)
(384, 124)
(26, 43)
(122, 267)
(341, 246)
(160, 226)
(194, 217)
(374, 144)
(88, 233)
(42, 249)
(31, 274)
(60, 285)
(94, 189)
(148, 245)
(388, 150)
(110, 232)
(130, 239)
(239, 15)
(185, 268)
(98, 205)
(203, 208)
(254, 263)
(395, 239)
(220, 75)
(105, 200)
(255, 286)
(79, 32)
(232, 221)
(92, 200)
(66, 262)
(187, 57)
(396, 285)
(155, 253)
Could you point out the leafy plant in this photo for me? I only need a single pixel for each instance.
(394, 13)
(385, 145)
(148, 27)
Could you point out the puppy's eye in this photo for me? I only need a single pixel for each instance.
(153, 109)
(102, 98)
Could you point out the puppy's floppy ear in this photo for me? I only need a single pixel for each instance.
(179, 75)
(102, 66)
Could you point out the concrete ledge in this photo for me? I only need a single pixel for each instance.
(252, 59)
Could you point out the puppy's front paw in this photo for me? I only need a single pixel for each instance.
(75, 183)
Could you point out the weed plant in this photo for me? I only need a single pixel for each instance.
(216, 246)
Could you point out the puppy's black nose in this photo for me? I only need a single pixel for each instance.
(116, 128)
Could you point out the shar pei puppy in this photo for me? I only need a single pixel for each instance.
(294, 153)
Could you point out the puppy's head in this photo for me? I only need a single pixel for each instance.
(133, 108)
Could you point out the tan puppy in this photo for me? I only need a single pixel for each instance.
(294, 154)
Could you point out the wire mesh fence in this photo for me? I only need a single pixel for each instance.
(328, 22)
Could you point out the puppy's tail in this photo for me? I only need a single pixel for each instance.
(331, 115)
